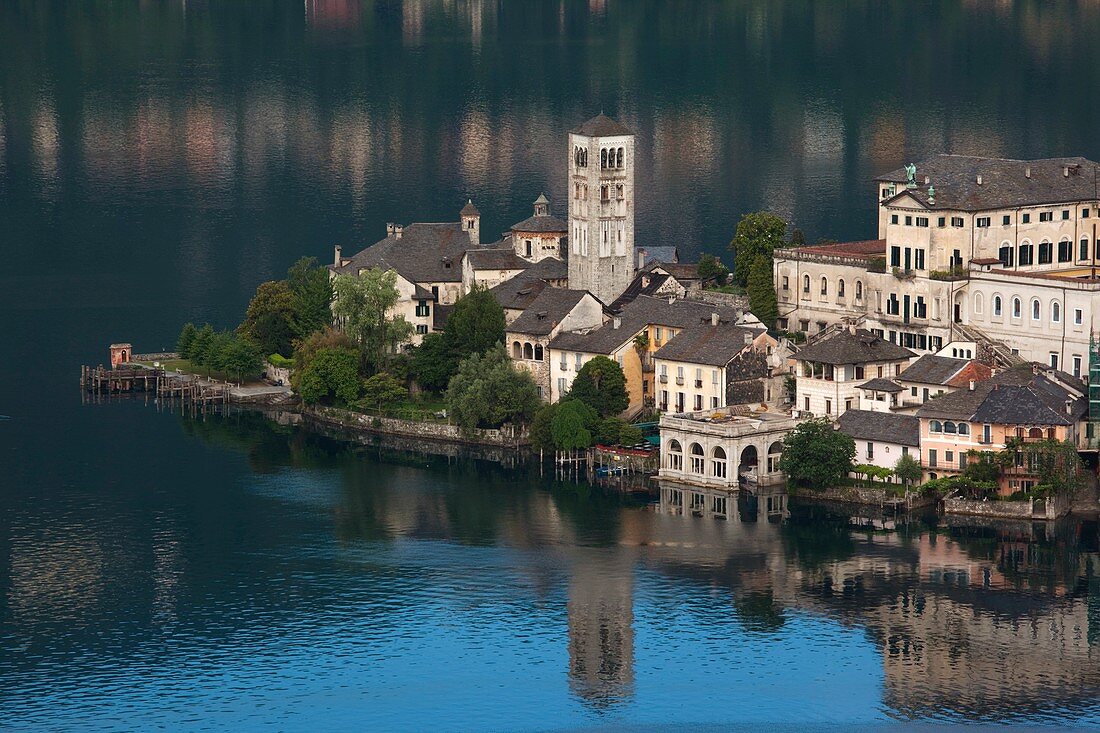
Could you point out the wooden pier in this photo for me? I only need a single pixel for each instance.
(187, 388)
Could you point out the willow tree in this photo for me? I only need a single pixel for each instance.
(363, 305)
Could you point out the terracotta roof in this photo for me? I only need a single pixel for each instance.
(845, 347)
(841, 249)
(1005, 182)
(602, 126)
(882, 427)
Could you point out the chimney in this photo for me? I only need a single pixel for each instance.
(972, 385)
(336, 252)
(979, 179)
(616, 322)
(671, 299)
(1065, 171)
(748, 339)
(1027, 172)
(641, 258)
(397, 231)
(714, 318)
(389, 229)
(852, 328)
(927, 180)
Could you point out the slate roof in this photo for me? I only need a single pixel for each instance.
(541, 224)
(881, 384)
(519, 291)
(644, 283)
(845, 347)
(659, 253)
(1024, 395)
(1004, 182)
(420, 254)
(546, 311)
(707, 344)
(881, 427)
(469, 209)
(679, 270)
(643, 311)
(601, 126)
(932, 369)
(495, 259)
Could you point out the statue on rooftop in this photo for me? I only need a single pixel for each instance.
(911, 175)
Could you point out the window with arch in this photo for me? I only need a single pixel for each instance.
(997, 305)
(603, 158)
(1035, 433)
(859, 290)
(517, 350)
(1016, 307)
(964, 428)
(978, 302)
(1036, 309)
(775, 452)
(718, 462)
(697, 461)
(805, 283)
(824, 285)
(528, 352)
(675, 453)
(1046, 253)
(935, 426)
(538, 352)
(1065, 251)
(1056, 312)
(1084, 253)
(619, 158)
(840, 288)
(949, 428)
(1026, 254)
(1005, 255)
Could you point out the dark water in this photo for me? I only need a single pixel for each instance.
(159, 159)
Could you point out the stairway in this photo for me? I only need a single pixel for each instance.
(1000, 353)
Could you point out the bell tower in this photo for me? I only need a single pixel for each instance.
(601, 208)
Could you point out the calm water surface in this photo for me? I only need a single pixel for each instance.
(158, 160)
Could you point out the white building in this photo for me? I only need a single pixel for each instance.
(831, 370)
(881, 438)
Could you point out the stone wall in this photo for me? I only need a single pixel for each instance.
(1041, 509)
(864, 495)
(505, 437)
(716, 298)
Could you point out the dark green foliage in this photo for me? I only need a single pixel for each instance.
(573, 424)
(798, 239)
(601, 385)
(630, 435)
(488, 392)
(762, 299)
(908, 470)
(757, 236)
(382, 390)
(331, 373)
(541, 436)
(267, 321)
(199, 350)
(712, 268)
(186, 338)
(432, 364)
(363, 304)
(311, 297)
(239, 357)
(817, 456)
(475, 325)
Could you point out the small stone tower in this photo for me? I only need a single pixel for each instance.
(471, 222)
(601, 208)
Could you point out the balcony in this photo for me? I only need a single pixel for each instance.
(680, 381)
(699, 385)
(663, 379)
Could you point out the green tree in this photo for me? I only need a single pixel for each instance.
(200, 350)
(268, 318)
(475, 325)
(239, 357)
(363, 304)
(908, 470)
(630, 435)
(798, 239)
(601, 385)
(712, 268)
(311, 297)
(187, 337)
(762, 300)
(331, 373)
(757, 235)
(573, 424)
(541, 435)
(432, 363)
(488, 391)
(817, 456)
(382, 390)
(608, 430)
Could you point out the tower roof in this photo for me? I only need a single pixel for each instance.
(542, 199)
(602, 126)
(469, 209)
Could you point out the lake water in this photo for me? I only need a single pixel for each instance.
(158, 160)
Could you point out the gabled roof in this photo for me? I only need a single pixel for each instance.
(859, 347)
(425, 252)
(1005, 183)
(659, 253)
(519, 291)
(644, 283)
(544, 224)
(932, 369)
(495, 259)
(708, 344)
(546, 311)
(881, 384)
(602, 126)
(1028, 394)
(881, 427)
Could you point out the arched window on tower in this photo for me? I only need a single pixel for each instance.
(603, 158)
(619, 159)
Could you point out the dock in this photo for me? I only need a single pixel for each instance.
(126, 378)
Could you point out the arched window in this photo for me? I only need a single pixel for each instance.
(1056, 312)
(859, 290)
(696, 451)
(603, 158)
(1035, 309)
(675, 457)
(619, 159)
(935, 426)
(997, 305)
(964, 428)
(978, 302)
(1084, 248)
(527, 352)
(775, 451)
(805, 283)
(840, 288)
(949, 428)
(1005, 254)
(1035, 433)
(538, 352)
(1026, 254)
(517, 350)
(1050, 433)
(824, 285)
(1016, 306)
(718, 463)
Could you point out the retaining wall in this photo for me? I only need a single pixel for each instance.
(505, 437)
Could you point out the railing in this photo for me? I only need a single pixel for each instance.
(680, 381)
(663, 378)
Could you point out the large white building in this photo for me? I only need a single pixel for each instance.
(999, 252)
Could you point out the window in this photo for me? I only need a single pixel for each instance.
(564, 361)
(918, 259)
(997, 305)
(675, 456)
(940, 222)
(605, 195)
(935, 426)
(840, 288)
(1017, 307)
(828, 406)
(893, 307)
(1005, 255)
(1027, 254)
(1025, 218)
(718, 462)
(870, 451)
(698, 402)
(964, 428)
(1065, 251)
(619, 192)
(422, 308)
(922, 221)
(920, 308)
(1053, 360)
(859, 290)
(1006, 220)
(949, 428)
(1084, 213)
(956, 221)
(932, 457)
(805, 283)
(908, 220)
(895, 257)
(714, 376)
(1084, 254)
(1056, 312)
(1035, 310)
(696, 451)
(786, 283)
(577, 361)
(1078, 316)
(1065, 214)
(561, 386)
(949, 457)
(978, 303)
(982, 222)
(824, 286)
(1046, 253)
(714, 403)
(1046, 216)
(1077, 360)
(893, 218)
(421, 328)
